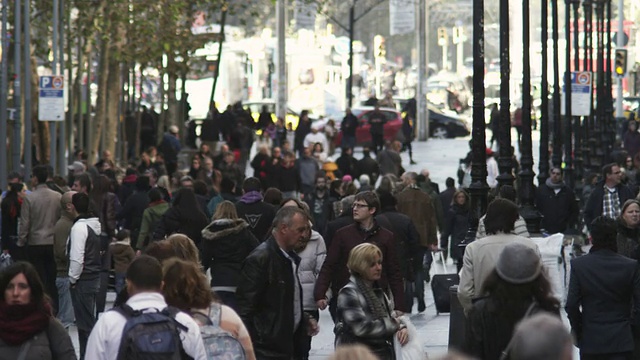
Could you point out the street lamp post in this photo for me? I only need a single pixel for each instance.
(588, 66)
(599, 121)
(610, 120)
(527, 192)
(478, 188)
(505, 164)
(568, 156)
(577, 121)
(543, 166)
(557, 125)
(352, 20)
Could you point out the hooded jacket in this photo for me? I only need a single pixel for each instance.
(257, 213)
(311, 260)
(122, 254)
(84, 256)
(150, 217)
(225, 245)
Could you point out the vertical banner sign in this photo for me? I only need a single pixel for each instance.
(402, 17)
(305, 15)
(581, 88)
(51, 99)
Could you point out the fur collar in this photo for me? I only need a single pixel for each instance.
(223, 227)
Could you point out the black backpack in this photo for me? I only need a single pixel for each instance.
(151, 335)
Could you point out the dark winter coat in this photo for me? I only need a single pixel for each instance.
(333, 226)
(628, 240)
(320, 208)
(226, 243)
(349, 125)
(286, 178)
(407, 241)
(265, 301)
(258, 214)
(334, 271)
(456, 228)
(558, 210)
(593, 208)
(348, 165)
(177, 221)
(260, 165)
(369, 166)
(632, 143)
(132, 212)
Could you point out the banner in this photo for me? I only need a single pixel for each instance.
(402, 16)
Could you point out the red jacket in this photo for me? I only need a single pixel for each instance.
(334, 271)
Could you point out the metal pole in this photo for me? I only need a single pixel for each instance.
(281, 105)
(568, 156)
(619, 45)
(62, 147)
(17, 91)
(557, 125)
(3, 95)
(28, 115)
(600, 126)
(87, 96)
(577, 120)
(526, 175)
(478, 188)
(543, 166)
(352, 11)
(80, 123)
(588, 66)
(53, 124)
(504, 130)
(460, 50)
(421, 97)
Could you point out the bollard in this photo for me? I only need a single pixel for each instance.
(457, 322)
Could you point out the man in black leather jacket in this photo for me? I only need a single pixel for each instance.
(269, 295)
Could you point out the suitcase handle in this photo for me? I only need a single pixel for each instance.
(442, 261)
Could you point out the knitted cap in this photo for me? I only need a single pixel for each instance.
(518, 264)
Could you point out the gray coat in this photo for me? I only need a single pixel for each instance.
(53, 343)
(311, 260)
(38, 216)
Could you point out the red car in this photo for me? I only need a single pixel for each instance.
(363, 137)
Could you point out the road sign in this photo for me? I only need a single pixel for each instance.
(581, 88)
(51, 100)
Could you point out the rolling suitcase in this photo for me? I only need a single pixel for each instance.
(440, 284)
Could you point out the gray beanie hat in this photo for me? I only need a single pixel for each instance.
(518, 264)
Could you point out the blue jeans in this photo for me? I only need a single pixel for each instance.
(84, 295)
(65, 306)
(348, 141)
(120, 281)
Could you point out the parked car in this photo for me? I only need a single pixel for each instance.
(443, 124)
(363, 136)
(448, 90)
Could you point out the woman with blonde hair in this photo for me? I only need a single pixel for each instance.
(226, 242)
(364, 314)
(186, 288)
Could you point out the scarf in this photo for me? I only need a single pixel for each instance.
(375, 305)
(21, 322)
(554, 186)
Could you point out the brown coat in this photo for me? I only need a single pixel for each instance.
(123, 255)
(334, 271)
(419, 206)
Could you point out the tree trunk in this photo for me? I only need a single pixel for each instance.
(113, 98)
(101, 106)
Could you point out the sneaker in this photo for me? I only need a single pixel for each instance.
(421, 306)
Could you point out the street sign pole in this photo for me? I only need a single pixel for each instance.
(27, 92)
(620, 45)
(3, 94)
(53, 125)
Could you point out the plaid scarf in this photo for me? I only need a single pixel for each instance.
(610, 203)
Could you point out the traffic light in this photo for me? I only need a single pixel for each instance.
(443, 38)
(379, 50)
(457, 34)
(621, 62)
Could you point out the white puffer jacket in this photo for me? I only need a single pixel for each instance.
(312, 258)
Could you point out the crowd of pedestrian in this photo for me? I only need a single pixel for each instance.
(210, 252)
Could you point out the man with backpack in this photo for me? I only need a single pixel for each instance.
(83, 247)
(145, 324)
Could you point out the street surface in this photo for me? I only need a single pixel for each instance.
(441, 158)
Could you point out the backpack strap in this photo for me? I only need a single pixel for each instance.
(127, 311)
(215, 314)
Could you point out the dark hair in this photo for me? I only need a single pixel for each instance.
(510, 301)
(14, 175)
(608, 169)
(251, 184)
(50, 171)
(81, 202)
(604, 233)
(145, 273)
(227, 185)
(186, 203)
(507, 192)
(131, 171)
(123, 234)
(450, 182)
(41, 173)
(387, 200)
(38, 295)
(501, 216)
(84, 180)
(154, 195)
(370, 198)
(273, 196)
(200, 188)
(142, 183)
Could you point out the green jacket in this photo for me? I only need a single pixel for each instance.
(150, 218)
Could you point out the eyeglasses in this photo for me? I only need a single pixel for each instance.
(356, 206)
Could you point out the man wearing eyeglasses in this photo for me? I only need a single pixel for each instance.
(334, 273)
(556, 203)
(608, 195)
